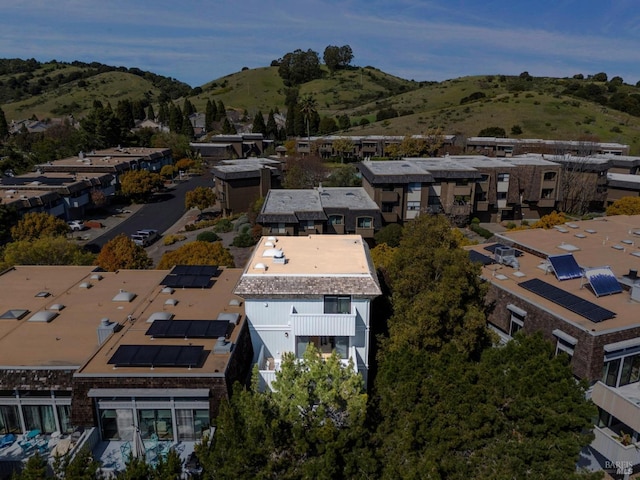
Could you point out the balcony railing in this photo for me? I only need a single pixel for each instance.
(323, 324)
(610, 447)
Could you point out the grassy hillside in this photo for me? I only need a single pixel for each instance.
(551, 108)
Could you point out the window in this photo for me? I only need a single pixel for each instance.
(503, 177)
(337, 304)
(484, 178)
(336, 219)
(481, 196)
(622, 371)
(549, 176)
(156, 421)
(9, 420)
(462, 183)
(547, 193)
(325, 345)
(387, 207)
(413, 205)
(516, 323)
(501, 195)
(39, 417)
(307, 224)
(365, 222)
(461, 200)
(278, 228)
(64, 415)
(191, 423)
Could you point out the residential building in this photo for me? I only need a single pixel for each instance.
(463, 186)
(578, 284)
(322, 210)
(239, 183)
(506, 147)
(104, 353)
(309, 290)
(367, 146)
(242, 145)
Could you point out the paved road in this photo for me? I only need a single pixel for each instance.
(159, 215)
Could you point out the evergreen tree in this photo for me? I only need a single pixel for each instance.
(163, 116)
(227, 127)
(124, 112)
(187, 128)
(272, 126)
(211, 113)
(221, 111)
(151, 115)
(4, 127)
(258, 124)
(100, 129)
(175, 118)
(188, 108)
(138, 110)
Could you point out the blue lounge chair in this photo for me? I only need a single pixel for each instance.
(7, 440)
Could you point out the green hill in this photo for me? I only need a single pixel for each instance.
(537, 107)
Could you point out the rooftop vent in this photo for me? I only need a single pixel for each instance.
(124, 296)
(506, 256)
(56, 307)
(159, 316)
(269, 244)
(272, 239)
(234, 302)
(105, 329)
(280, 258)
(167, 290)
(260, 266)
(171, 302)
(85, 285)
(230, 317)
(272, 252)
(96, 276)
(222, 346)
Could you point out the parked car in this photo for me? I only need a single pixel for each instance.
(76, 225)
(145, 237)
(207, 216)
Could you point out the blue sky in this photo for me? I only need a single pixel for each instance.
(199, 41)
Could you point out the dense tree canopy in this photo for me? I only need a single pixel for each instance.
(343, 176)
(299, 67)
(337, 57)
(311, 426)
(122, 253)
(200, 198)
(37, 225)
(46, 251)
(197, 253)
(8, 219)
(437, 291)
(140, 184)
(304, 172)
(625, 206)
(516, 413)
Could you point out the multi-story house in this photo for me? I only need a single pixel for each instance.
(309, 290)
(578, 284)
(322, 210)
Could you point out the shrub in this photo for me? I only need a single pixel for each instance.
(243, 240)
(171, 239)
(207, 236)
(483, 232)
(223, 225)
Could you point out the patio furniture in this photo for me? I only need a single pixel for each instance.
(125, 451)
(31, 434)
(7, 440)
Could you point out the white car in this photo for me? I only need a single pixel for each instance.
(76, 225)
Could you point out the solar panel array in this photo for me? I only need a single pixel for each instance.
(190, 328)
(157, 356)
(572, 302)
(208, 270)
(565, 266)
(603, 281)
(190, 276)
(477, 257)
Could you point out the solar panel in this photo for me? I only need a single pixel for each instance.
(208, 270)
(190, 329)
(571, 302)
(477, 257)
(603, 281)
(492, 248)
(157, 356)
(565, 266)
(187, 281)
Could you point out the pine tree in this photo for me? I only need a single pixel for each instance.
(272, 126)
(151, 115)
(258, 124)
(211, 113)
(188, 108)
(221, 111)
(227, 127)
(187, 128)
(4, 127)
(175, 118)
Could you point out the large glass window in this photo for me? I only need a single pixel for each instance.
(336, 219)
(626, 368)
(156, 421)
(610, 372)
(192, 423)
(325, 345)
(337, 304)
(64, 416)
(9, 420)
(39, 417)
(117, 424)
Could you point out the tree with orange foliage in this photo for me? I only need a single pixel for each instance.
(122, 253)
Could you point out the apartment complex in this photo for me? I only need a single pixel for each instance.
(309, 290)
(243, 145)
(104, 353)
(578, 284)
(506, 147)
(322, 210)
(490, 188)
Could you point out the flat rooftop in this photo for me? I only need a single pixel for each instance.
(302, 200)
(313, 265)
(71, 303)
(612, 242)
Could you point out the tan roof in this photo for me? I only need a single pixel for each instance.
(609, 241)
(313, 265)
(71, 338)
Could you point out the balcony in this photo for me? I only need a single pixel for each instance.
(608, 444)
(482, 206)
(389, 196)
(323, 324)
(390, 217)
(462, 190)
(365, 232)
(547, 202)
